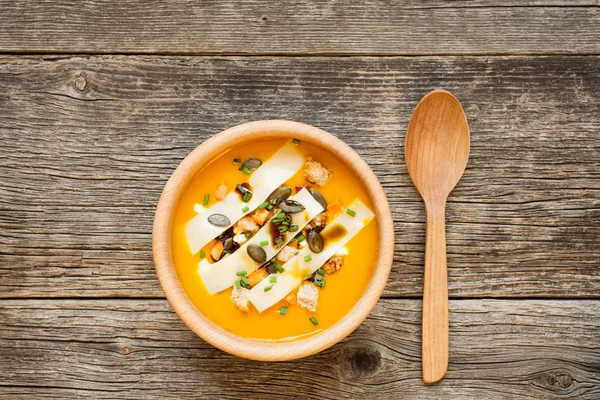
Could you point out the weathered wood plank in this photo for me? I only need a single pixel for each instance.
(81, 170)
(519, 349)
(292, 27)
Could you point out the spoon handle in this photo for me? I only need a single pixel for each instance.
(435, 297)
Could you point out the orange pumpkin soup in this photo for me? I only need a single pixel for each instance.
(324, 295)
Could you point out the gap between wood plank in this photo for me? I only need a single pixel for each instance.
(294, 54)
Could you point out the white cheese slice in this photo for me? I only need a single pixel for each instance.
(269, 176)
(343, 228)
(222, 274)
(342, 252)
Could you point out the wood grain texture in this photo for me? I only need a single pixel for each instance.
(128, 349)
(88, 144)
(381, 27)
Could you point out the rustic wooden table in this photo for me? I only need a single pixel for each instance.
(99, 102)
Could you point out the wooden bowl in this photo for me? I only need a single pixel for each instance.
(167, 275)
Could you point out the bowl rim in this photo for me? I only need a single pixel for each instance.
(167, 275)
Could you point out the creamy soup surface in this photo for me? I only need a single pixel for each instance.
(287, 319)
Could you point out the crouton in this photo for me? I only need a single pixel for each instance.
(334, 208)
(246, 224)
(221, 191)
(318, 222)
(240, 298)
(290, 298)
(216, 250)
(260, 216)
(295, 245)
(257, 276)
(240, 238)
(333, 264)
(285, 254)
(315, 173)
(308, 296)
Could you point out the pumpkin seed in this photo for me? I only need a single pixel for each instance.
(251, 164)
(315, 241)
(280, 194)
(257, 253)
(319, 198)
(219, 220)
(245, 190)
(272, 268)
(291, 207)
(228, 245)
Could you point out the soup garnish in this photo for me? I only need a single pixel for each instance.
(276, 236)
(266, 178)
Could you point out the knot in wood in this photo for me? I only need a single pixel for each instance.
(366, 361)
(561, 380)
(125, 350)
(80, 83)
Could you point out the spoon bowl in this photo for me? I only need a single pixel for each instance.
(437, 145)
(437, 151)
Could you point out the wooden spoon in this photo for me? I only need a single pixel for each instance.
(437, 151)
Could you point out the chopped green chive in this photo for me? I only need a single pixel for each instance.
(270, 207)
(202, 254)
(273, 279)
(293, 228)
(264, 205)
(323, 284)
(318, 283)
(314, 320)
(279, 241)
(321, 271)
(296, 141)
(351, 212)
(282, 228)
(281, 215)
(279, 268)
(267, 288)
(248, 234)
(245, 209)
(237, 160)
(283, 310)
(277, 220)
(246, 171)
(307, 258)
(241, 273)
(264, 243)
(206, 199)
(243, 283)
(247, 196)
(301, 238)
